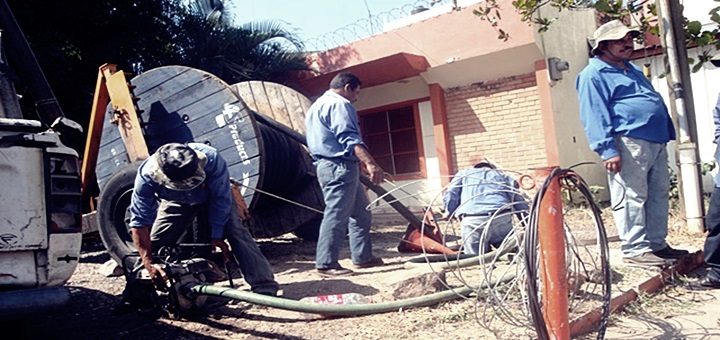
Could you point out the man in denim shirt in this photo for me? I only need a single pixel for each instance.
(484, 200)
(171, 188)
(712, 219)
(628, 125)
(333, 138)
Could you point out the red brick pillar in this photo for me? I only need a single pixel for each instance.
(440, 131)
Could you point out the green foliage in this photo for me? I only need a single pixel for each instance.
(490, 12)
(705, 168)
(645, 11)
(71, 39)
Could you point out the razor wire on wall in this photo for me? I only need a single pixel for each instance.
(374, 24)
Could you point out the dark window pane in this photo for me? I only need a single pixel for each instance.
(404, 141)
(386, 164)
(407, 163)
(401, 118)
(391, 138)
(373, 123)
(378, 145)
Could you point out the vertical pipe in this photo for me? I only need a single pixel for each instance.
(687, 149)
(551, 237)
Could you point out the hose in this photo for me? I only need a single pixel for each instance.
(459, 262)
(344, 310)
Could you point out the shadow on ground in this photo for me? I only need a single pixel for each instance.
(91, 315)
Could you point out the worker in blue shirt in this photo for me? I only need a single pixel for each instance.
(484, 199)
(333, 139)
(711, 250)
(176, 184)
(627, 123)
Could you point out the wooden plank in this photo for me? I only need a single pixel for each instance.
(297, 105)
(264, 104)
(282, 103)
(243, 91)
(274, 98)
(248, 178)
(153, 79)
(97, 116)
(128, 122)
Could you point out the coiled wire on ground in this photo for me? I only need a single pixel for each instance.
(570, 181)
(518, 301)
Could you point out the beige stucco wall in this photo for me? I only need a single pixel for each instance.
(391, 93)
(566, 39)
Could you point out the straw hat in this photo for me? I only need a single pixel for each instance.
(177, 167)
(613, 30)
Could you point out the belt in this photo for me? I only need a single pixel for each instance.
(485, 214)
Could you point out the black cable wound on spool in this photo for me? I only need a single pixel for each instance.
(284, 164)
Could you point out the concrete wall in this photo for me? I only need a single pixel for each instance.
(705, 87)
(391, 93)
(571, 45)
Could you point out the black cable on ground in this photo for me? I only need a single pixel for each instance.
(602, 243)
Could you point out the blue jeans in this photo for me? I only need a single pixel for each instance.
(640, 191)
(711, 250)
(345, 202)
(495, 231)
(175, 219)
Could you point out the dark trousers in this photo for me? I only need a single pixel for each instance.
(712, 242)
(175, 219)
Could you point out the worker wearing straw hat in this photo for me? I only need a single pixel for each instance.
(627, 124)
(178, 183)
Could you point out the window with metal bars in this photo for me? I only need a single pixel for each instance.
(392, 137)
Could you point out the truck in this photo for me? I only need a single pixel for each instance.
(40, 187)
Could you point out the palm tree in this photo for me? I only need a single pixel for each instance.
(252, 51)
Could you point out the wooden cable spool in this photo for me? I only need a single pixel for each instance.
(181, 104)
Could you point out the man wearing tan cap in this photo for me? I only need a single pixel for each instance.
(627, 123)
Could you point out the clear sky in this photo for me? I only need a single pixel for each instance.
(312, 18)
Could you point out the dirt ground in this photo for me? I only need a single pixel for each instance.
(676, 312)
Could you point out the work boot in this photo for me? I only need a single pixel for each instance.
(647, 260)
(708, 282)
(335, 272)
(374, 262)
(670, 253)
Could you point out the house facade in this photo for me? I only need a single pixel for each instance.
(441, 90)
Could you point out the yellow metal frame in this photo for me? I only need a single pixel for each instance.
(112, 87)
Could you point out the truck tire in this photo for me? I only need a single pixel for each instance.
(112, 215)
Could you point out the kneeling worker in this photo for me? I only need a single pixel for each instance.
(173, 186)
(484, 200)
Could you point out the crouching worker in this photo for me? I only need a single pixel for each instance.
(175, 185)
(484, 199)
